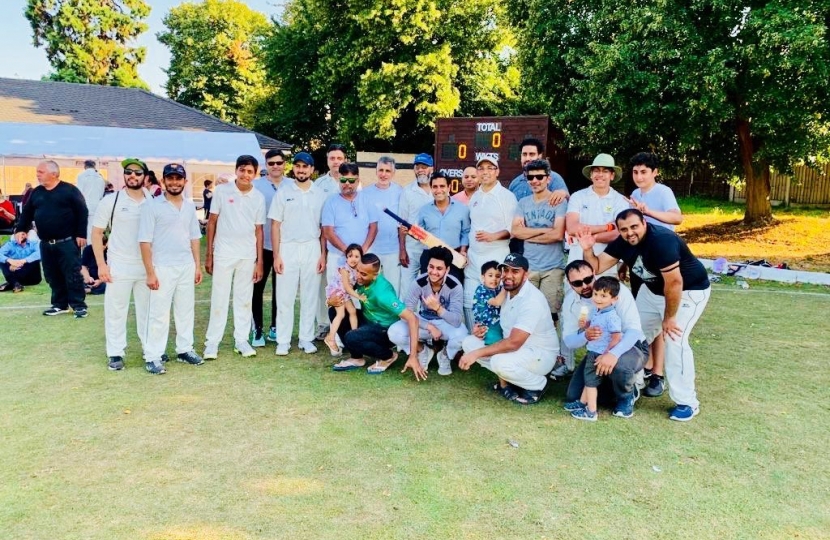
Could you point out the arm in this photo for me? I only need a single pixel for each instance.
(35, 255)
(85, 274)
(276, 229)
(672, 291)
(147, 259)
(321, 263)
(601, 263)
(499, 299)
(81, 216)
(412, 362)
(98, 250)
(26, 216)
(455, 315)
(672, 217)
(194, 249)
(370, 237)
(211, 235)
(258, 266)
(4, 251)
(616, 337)
(511, 343)
(522, 232)
(346, 279)
(331, 236)
(573, 226)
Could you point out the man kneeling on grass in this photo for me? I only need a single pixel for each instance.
(381, 309)
(524, 358)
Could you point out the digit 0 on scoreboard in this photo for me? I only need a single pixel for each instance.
(495, 142)
(462, 151)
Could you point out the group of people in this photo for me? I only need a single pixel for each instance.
(493, 293)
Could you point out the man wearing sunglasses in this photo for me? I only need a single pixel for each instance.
(623, 364)
(268, 185)
(122, 269)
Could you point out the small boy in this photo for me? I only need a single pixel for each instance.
(605, 317)
(489, 296)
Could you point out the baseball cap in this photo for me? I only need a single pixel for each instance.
(489, 159)
(423, 159)
(173, 168)
(515, 260)
(133, 161)
(304, 157)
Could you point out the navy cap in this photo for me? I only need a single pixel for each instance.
(173, 168)
(515, 260)
(304, 157)
(423, 159)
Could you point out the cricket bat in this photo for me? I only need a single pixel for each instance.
(428, 239)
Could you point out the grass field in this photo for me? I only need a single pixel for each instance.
(269, 447)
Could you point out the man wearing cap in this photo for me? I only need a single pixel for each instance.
(523, 358)
(267, 185)
(386, 194)
(92, 185)
(60, 212)
(299, 253)
(413, 198)
(122, 268)
(595, 207)
(169, 237)
(675, 294)
(492, 209)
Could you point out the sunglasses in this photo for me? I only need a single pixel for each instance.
(536, 176)
(273, 163)
(128, 172)
(581, 282)
(349, 179)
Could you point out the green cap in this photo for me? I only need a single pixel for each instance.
(134, 161)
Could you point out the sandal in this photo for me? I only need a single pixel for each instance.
(507, 392)
(377, 368)
(334, 350)
(347, 365)
(529, 397)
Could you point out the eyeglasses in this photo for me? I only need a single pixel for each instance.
(274, 163)
(349, 179)
(581, 282)
(536, 176)
(128, 172)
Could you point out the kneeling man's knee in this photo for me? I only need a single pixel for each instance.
(471, 343)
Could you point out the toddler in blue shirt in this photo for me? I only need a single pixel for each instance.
(487, 301)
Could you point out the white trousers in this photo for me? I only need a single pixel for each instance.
(176, 287)
(526, 368)
(127, 279)
(410, 274)
(390, 265)
(227, 273)
(399, 335)
(333, 262)
(680, 360)
(299, 269)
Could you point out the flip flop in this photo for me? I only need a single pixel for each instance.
(377, 369)
(346, 365)
(334, 350)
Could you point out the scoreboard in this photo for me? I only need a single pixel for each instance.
(460, 142)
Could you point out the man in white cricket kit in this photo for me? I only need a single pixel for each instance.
(92, 185)
(492, 209)
(299, 253)
(413, 198)
(122, 269)
(386, 194)
(234, 256)
(169, 235)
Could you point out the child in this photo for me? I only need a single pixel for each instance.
(489, 296)
(606, 292)
(343, 287)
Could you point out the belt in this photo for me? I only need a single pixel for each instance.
(67, 239)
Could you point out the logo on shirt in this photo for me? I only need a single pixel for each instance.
(289, 200)
(395, 305)
(640, 270)
(608, 208)
(230, 200)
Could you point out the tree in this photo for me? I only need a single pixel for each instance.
(377, 73)
(742, 85)
(90, 41)
(215, 65)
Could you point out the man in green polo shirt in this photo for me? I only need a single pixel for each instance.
(380, 309)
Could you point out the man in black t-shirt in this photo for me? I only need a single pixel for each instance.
(675, 294)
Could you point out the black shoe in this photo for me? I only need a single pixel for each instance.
(17, 288)
(5, 287)
(154, 369)
(656, 386)
(530, 397)
(81, 313)
(116, 363)
(164, 358)
(190, 358)
(54, 310)
(647, 373)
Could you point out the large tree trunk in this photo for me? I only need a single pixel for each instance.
(758, 208)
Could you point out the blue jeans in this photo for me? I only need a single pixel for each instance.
(619, 384)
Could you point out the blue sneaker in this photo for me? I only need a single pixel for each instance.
(272, 334)
(574, 405)
(258, 339)
(585, 414)
(683, 413)
(625, 407)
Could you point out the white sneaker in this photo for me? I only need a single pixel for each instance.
(282, 349)
(211, 352)
(425, 357)
(244, 348)
(444, 367)
(307, 347)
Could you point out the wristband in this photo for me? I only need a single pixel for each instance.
(610, 227)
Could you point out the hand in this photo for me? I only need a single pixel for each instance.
(639, 205)
(671, 329)
(335, 301)
(479, 330)
(432, 302)
(557, 197)
(413, 364)
(586, 239)
(197, 278)
(104, 273)
(152, 282)
(321, 264)
(483, 236)
(622, 272)
(279, 266)
(467, 360)
(361, 297)
(404, 257)
(605, 364)
(258, 273)
(593, 333)
(81, 242)
(433, 331)
(209, 265)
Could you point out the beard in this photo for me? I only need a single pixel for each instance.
(422, 179)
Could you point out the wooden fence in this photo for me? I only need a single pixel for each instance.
(806, 186)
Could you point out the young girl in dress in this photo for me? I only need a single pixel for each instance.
(343, 287)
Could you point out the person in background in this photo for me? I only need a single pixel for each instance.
(7, 213)
(93, 284)
(92, 185)
(20, 262)
(109, 188)
(469, 183)
(207, 196)
(531, 150)
(151, 183)
(27, 192)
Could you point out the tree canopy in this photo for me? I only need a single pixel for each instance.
(91, 41)
(742, 85)
(215, 64)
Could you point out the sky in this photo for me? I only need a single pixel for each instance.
(21, 60)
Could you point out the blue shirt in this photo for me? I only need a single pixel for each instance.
(610, 323)
(453, 226)
(268, 189)
(661, 198)
(386, 242)
(30, 251)
(484, 313)
(521, 189)
(542, 257)
(350, 219)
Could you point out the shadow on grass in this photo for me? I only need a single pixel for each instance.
(728, 231)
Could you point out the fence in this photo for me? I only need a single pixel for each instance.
(806, 186)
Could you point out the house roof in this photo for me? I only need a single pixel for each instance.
(49, 102)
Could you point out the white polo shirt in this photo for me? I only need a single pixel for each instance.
(298, 212)
(122, 245)
(239, 214)
(170, 230)
(491, 211)
(594, 210)
(413, 198)
(529, 311)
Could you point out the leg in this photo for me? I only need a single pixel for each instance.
(184, 303)
(243, 290)
(333, 262)
(141, 297)
(391, 268)
(369, 339)
(287, 283)
(8, 275)
(29, 274)
(116, 309)
(336, 322)
(309, 290)
(625, 372)
(49, 257)
(352, 312)
(455, 336)
(589, 398)
(525, 368)
(398, 334)
(158, 328)
(680, 361)
(577, 384)
(259, 290)
(219, 299)
(70, 263)
(657, 355)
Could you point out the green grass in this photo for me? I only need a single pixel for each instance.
(273, 447)
(719, 207)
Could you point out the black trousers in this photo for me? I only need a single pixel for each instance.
(28, 274)
(62, 270)
(455, 272)
(259, 290)
(619, 384)
(369, 339)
